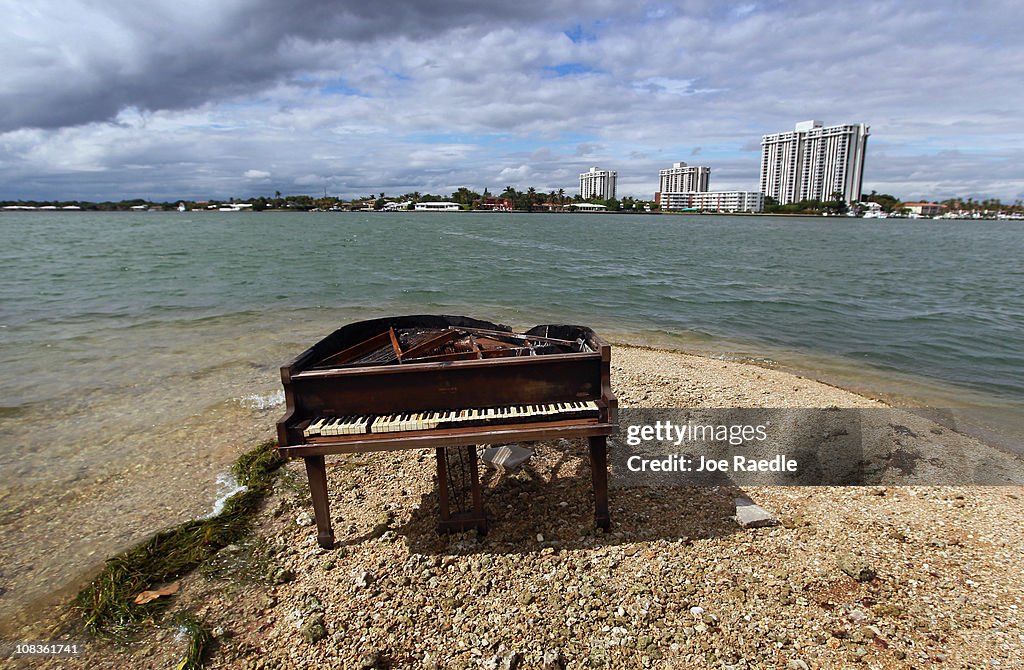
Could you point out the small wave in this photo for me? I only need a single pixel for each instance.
(257, 401)
(229, 486)
(10, 411)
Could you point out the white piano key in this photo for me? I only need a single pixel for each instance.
(313, 428)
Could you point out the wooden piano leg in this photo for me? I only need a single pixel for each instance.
(461, 519)
(599, 474)
(478, 498)
(316, 472)
(442, 486)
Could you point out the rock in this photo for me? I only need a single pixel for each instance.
(797, 664)
(314, 630)
(504, 659)
(369, 661)
(311, 603)
(598, 657)
(552, 660)
(382, 526)
(856, 567)
(750, 515)
(363, 579)
(283, 576)
(888, 610)
(709, 619)
(304, 519)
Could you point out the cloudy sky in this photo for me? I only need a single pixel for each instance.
(169, 99)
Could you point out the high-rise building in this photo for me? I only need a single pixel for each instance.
(598, 184)
(683, 178)
(814, 162)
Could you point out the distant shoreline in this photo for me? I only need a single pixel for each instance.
(37, 210)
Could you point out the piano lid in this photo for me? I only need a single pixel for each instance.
(432, 338)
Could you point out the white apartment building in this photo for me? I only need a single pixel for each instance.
(683, 178)
(598, 184)
(813, 162)
(714, 201)
(437, 207)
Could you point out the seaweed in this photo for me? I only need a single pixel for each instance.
(199, 639)
(107, 603)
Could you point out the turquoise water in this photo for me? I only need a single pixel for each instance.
(140, 352)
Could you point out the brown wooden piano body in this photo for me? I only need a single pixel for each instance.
(314, 387)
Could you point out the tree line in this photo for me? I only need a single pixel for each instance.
(530, 200)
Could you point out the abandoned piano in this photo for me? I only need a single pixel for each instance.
(448, 383)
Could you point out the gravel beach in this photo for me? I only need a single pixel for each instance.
(894, 576)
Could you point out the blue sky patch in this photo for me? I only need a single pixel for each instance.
(578, 35)
(339, 87)
(568, 70)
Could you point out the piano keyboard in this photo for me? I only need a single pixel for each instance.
(456, 418)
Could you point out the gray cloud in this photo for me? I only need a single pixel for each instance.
(181, 99)
(76, 62)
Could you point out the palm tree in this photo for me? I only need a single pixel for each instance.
(531, 198)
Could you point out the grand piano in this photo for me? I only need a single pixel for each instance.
(447, 383)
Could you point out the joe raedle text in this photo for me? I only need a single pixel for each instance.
(685, 463)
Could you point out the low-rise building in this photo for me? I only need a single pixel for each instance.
(437, 207)
(712, 201)
(495, 205)
(587, 207)
(924, 208)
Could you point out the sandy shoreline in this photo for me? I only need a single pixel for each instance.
(543, 582)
